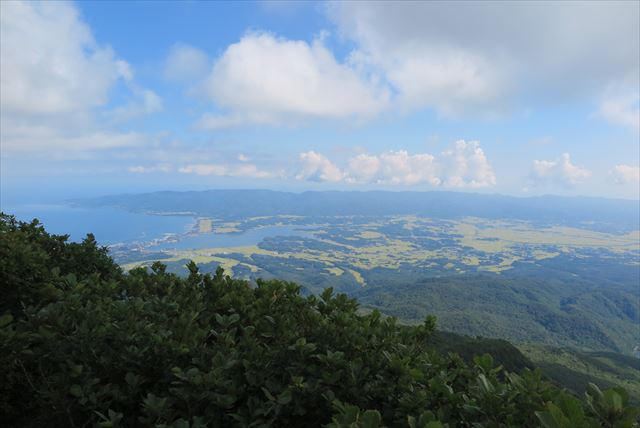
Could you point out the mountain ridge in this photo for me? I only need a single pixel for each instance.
(593, 213)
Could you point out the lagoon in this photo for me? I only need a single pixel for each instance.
(236, 239)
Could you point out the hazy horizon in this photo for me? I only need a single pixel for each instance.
(17, 196)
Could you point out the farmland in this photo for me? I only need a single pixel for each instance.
(345, 250)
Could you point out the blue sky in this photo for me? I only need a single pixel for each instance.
(514, 98)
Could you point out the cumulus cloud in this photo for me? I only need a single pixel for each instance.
(453, 59)
(560, 171)
(51, 62)
(394, 168)
(55, 78)
(623, 111)
(186, 63)
(464, 165)
(316, 167)
(226, 170)
(263, 79)
(364, 168)
(625, 174)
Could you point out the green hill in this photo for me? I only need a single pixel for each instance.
(503, 352)
(554, 311)
(575, 369)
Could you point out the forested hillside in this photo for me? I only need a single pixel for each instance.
(84, 344)
(576, 369)
(589, 312)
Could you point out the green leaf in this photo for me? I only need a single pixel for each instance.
(485, 384)
(370, 419)
(547, 420)
(132, 379)
(6, 319)
(232, 319)
(411, 421)
(76, 390)
(284, 397)
(425, 417)
(570, 406)
(484, 361)
(613, 400)
(268, 394)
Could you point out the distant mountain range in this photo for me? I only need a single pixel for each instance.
(593, 213)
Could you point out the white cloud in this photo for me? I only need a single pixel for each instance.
(51, 62)
(226, 170)
(395, 168)
(624, 111)
(316, 167)
(242, 157)
(163, 167)
(453, 59)
(46, 140)
(625, 174)
(464, 165)
(560, 171)
(267, 80)
(145, 102)
(186, 63)
(364, 168)
(55, 81)
(413, 55)
(453, 82)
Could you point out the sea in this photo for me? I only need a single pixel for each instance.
(112, 226)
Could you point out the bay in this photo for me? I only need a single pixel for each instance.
(237, 239)
(109, 225)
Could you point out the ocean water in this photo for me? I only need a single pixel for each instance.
(113, 226)
(109, 225)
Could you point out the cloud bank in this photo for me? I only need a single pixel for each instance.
(409, 56)
(482, 56)
(462, 166)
